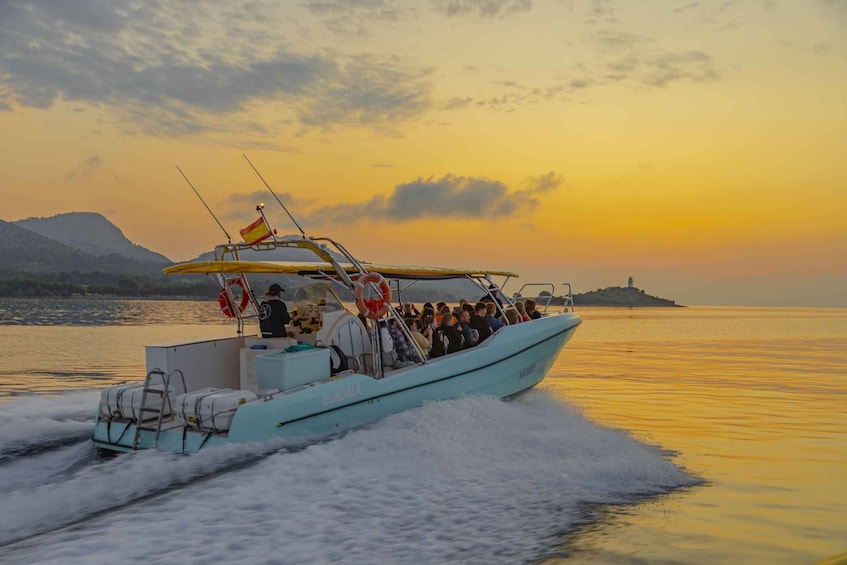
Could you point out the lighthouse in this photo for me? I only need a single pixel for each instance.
(629, 283)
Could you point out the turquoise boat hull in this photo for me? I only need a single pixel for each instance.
(515, 359)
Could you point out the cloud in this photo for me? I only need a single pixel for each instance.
(87, 169)
(482, 8)
(665, 68)
(159, 64)
(355, 18)
(448, 197)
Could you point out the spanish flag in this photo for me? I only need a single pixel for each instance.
(256, 232)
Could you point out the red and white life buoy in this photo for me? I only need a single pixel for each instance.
(223, 299)
(372, 307)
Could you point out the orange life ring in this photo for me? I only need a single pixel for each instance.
(223, 298)
(372, 307)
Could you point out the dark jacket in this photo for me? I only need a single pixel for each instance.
(480, 324)
(454, 341)
(468, 339)
(273, 315)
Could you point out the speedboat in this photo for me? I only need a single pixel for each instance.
(335, 369)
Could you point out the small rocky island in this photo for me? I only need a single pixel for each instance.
(620, 296)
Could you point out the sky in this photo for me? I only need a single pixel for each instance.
(698, 147)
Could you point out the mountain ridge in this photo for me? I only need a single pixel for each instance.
(92, 233)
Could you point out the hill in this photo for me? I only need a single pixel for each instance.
(620, 296)
(91, 233)
(25, 251)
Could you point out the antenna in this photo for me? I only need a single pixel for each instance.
(228, 239)
(275, 196)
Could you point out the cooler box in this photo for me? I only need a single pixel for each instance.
(255, 346)
(211, 409)
(124, 401)
(284, 371)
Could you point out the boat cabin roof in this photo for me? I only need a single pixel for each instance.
(310, 269)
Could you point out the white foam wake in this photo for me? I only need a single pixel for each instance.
(112, 484)
(32, 423)
(473, 480)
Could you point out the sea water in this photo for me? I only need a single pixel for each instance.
(683, 435)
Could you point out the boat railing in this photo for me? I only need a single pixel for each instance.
(543, 298)
(568, 298)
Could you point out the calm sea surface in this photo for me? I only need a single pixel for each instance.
(685, 435)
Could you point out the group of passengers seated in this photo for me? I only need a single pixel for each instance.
(439, 330)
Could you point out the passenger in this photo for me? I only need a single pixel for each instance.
(427, 311)
(512, 317)
(530, 309)
(470, 336)
(494, 292)
(424, 343)
(427, 305)
(479, 322)
(442, 311)
(428, 324)
(494, 322)
(522, 310)
(409, 311)
(401, 346)
(273, 313)
(446, 339)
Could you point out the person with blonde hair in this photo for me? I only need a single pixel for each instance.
(522, 311)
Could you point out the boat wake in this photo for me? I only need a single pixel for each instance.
(472, 480)
(95, 489)
(30, 425)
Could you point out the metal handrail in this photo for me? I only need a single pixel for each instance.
(166, 399)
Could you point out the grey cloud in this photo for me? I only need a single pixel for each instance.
(356, 17)
(147, 62)
(450, 196)
(689, 65)
(613, 40)
(623, 59)
(87, 169)
(482, 8)
(367, 91)
(458, 103)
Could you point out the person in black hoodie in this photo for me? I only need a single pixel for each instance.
(273, 313)
(479, 322)
(446, 339)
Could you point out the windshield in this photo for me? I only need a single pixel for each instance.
(315, 296)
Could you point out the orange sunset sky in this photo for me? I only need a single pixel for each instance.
(700, 147)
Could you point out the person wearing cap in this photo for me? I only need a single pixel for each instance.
(495, 293)
(273, 314)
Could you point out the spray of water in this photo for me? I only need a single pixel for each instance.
(471, 480)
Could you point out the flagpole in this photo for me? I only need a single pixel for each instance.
(275, 196)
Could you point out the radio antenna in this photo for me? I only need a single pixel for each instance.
(228, 239)
(275, 196)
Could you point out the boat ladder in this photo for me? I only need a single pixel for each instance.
(150, 387)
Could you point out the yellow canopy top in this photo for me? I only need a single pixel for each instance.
(316, 268)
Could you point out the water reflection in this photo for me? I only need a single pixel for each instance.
(107, 311)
